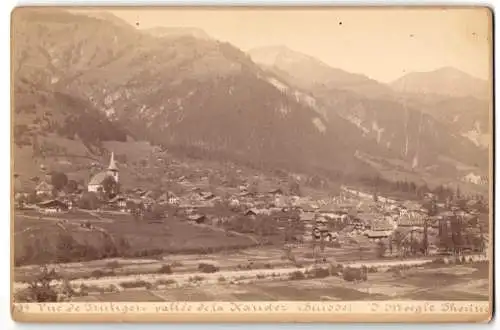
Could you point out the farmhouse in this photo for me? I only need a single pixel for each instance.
(52, 206)
(96, 183)
(119, 202)
(411, 220)
(475, 179)
(44, 188)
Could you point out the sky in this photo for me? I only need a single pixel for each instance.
(383, 44)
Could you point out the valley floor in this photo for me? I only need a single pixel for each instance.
(447, 283)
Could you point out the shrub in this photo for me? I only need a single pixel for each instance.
(268, 266)
(207, 268)
(165, 269)
(113, 264)
(354, 274)
(319, 273)
(221, 279)
(176, 264)
(296, 275)
(98, 273)
(165, 282)
(335, 269)
(196, 278)
(40, 288)
(135, 284)
(261, 276)
(438, 261)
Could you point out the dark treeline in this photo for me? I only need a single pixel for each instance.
(411, 189)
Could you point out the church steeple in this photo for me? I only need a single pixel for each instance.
(112, 163)
(112, 168)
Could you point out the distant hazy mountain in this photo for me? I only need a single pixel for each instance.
(310, 73)
(446, 81)
(176, 32)
(106, 16)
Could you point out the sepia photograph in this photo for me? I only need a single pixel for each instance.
(256, 161)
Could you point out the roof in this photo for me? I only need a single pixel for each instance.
(378, 233)
(99, 178)
(117, 198)
(52, 203)
(307, 216)
(196, 217)
(44, 186)
(306, 207)
(258, 211)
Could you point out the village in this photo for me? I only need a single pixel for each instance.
(269, 229)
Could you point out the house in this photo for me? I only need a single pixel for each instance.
(475, 179)
(96, 182)
(173, 199)
(52, 206)
(119, 202)
(307, 208)
(198, 218)
(44, 188)
(411, 220)
(207, 195)
(254, 211)
(276, 192)
(307, 216)
(378, 234)
(234, 202)
(246, 194)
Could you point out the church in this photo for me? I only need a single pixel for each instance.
(95, 184)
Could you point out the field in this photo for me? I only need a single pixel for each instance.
(167, 260)
(142, 239)
(443, 283)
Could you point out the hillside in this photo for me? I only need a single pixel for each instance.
(394, 127)
(446, 81)
(183, 93)
(468, 116)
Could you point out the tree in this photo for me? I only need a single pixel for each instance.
(381, 248)
(110, 187)
(89, 201)
(254, 187)
(59, 180)
(431, 207)
(295, 188)
(71, 187)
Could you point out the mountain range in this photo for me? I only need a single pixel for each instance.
(93, 78)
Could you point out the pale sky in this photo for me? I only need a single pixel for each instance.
(383, 44)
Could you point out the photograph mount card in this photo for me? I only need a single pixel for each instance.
(257, 164)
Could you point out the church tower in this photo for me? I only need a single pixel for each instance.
(112, 168)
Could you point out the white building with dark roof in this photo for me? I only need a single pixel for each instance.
(95, 183)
